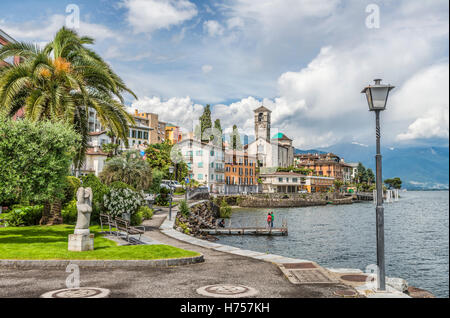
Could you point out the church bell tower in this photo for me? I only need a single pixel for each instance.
(262, 123)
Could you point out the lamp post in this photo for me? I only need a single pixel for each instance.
(171, 169)
(377, 96)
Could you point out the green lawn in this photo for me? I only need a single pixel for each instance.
(50, 242)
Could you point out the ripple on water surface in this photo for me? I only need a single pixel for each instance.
(416, 236)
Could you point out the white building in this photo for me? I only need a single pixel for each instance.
(139, 134)
(291, 182)
(354, 170)
(205, 162)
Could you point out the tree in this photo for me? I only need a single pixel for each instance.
(370, 176)
(235, 138)
(205, 123)
(130, 168)
(159, 156)
(61, 82)
(361, 174)
(34, 161)
(394, 183)
(110, 149)
(219, 138)
(338, 184)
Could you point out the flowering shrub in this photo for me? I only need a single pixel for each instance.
(123, 200)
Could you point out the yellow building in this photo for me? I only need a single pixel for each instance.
(173, 134)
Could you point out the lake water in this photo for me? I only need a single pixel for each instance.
(416, 236)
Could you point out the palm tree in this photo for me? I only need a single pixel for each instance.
(61, 82)
(130, 168)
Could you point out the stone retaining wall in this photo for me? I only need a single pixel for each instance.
(101, 263)
(203, 215)
(279, 200)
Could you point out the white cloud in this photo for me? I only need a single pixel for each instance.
(424, 101)
(213, 28)
(206, 68)
(180, 111)
(235, 22)
(40, 32)
(149, 15)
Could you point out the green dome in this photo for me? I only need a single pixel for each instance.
(278, 136)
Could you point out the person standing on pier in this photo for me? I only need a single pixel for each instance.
(271, 219)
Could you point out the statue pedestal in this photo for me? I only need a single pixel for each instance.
(81, 242)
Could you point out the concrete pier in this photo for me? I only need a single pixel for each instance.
(247, 231)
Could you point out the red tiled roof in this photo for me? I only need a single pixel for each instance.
(90, 151)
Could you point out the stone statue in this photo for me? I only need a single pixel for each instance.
(81, 239)
(84, 207)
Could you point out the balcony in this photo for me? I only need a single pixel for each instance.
(221, 170)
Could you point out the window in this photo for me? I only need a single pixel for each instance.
(145, 135)
(133, 133)
(212, 176)
(200, 176)
(212, 164)
(212, 153)
(280, 179)
(294, 180)
(200, 165)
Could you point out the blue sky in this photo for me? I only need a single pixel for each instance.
(306, 60)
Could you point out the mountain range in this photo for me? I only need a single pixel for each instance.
(419, 167)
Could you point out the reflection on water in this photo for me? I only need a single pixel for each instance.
(416, 236)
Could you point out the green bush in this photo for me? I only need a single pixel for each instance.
(24, 216)
(184, 209)
(34, 159)
(136, 218)
(120, 185)
(146, 212)
(69, 212)
(70, 189)
(99, 190)
(225, 209)
(163, 198)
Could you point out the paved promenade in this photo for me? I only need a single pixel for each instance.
(223, 265)
(180, 281)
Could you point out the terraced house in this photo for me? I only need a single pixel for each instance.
(240, 172)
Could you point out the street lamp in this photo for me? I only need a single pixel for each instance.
(171, 169)
(377, 96)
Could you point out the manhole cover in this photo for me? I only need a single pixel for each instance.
(227, 291)
(356, 278)
(82, 292)
(346, 293)
(299, 265)
(311, 276)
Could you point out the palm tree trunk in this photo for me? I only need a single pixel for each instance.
(51, 214)
(45, 214)
(55, 213)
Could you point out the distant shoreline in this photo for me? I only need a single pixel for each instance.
(426, 189)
